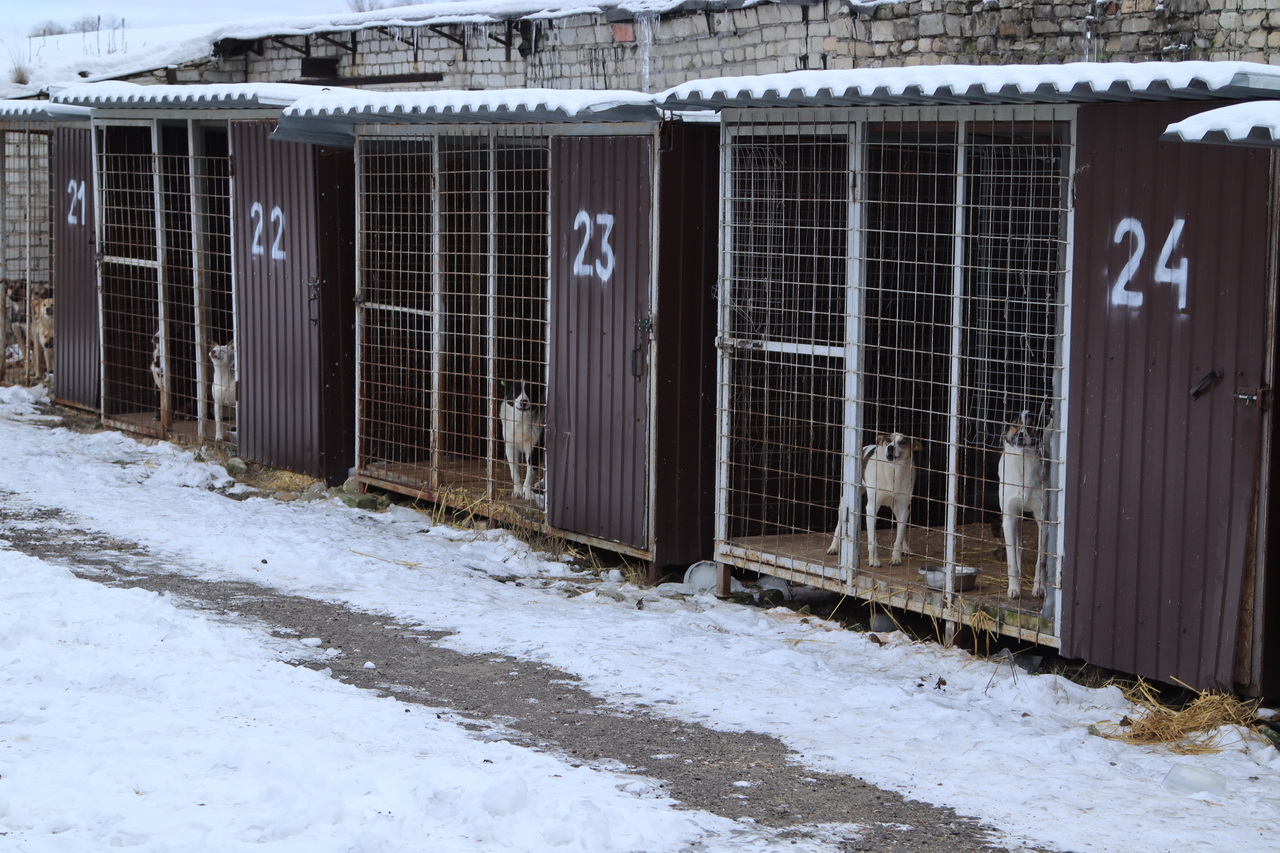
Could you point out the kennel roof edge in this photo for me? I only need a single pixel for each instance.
(1254, 124)
(41, 111)
(1076, 82)
(120, 95)
(330, 117)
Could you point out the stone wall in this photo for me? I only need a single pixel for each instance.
(614, 50)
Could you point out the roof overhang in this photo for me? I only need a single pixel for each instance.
(330, 118)
(41, 111)
(1078, 82)
(1254, 124)
(213, 96)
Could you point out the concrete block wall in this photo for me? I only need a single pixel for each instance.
(649, 53)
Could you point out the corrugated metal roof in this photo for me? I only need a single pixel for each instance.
(41, 111)
(229, 96)
(330, 117)
(1077, 82)
(1255, 124)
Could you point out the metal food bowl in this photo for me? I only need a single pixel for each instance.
(965, 578)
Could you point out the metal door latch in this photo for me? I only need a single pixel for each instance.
(1254, 396)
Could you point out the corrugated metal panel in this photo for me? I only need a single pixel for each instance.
(597, 412)
(76, 352)
(1160, 516)
(275, 247)
(20, 113)
(684, 368)
(1072, 82)
(331, 116)
(1254, 123)
(117, 94)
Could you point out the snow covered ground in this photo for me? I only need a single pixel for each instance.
(128, 722)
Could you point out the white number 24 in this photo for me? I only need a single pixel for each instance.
(1165, 271)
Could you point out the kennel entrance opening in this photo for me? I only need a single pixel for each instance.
(164, 235)
(897, 271)
(452, 308)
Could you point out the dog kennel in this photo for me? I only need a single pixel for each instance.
(43, 242)
(558, 242)
(217, 247)
(939, 252)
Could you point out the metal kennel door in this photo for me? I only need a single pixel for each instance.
(597, 435)
(77, 363)
(1169, 368)
(786, 395)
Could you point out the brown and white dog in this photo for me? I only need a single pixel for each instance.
(223, 359)
(40, 333)
(1022, 491)
(522, 423)
(888, 479)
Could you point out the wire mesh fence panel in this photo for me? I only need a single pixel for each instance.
(167, 291)
(26, 254)
(453, 315)
(782, 311)
(215, 296)
(132, 357)
(891, 323)
(395, 315)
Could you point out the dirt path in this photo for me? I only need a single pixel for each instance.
(539, 706)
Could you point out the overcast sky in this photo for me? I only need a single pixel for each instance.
(19, 17)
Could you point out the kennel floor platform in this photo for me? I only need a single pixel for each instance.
(182, 429)
(467, 486)
(802, 558)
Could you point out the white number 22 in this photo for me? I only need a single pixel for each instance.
(256, 211)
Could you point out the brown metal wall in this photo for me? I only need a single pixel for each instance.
(76, 352)
(292, 411)
(597, 406)
(1160, 521)
(684, 372)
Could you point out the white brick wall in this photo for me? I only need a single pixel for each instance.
(580, 52)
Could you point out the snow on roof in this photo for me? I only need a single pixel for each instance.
(983, 84)
(37, 111)
(80, 57)
(1255, 123)
(330, 116)
(117, 95)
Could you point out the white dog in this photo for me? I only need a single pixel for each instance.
(1022, 491)
(157, 361)
(223, 359)
(522, 422)
(888, 478)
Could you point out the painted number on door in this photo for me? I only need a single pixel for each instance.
(601, 228)
(75, 208)
(257, 214)
(1166, 271)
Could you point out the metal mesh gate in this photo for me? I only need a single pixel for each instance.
(892, 302)
(452, 314)
(26, 253)
(167, 296)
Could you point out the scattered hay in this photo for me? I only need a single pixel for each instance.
(1197, 729)
(275, 480)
